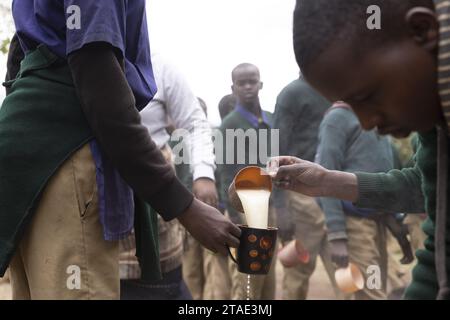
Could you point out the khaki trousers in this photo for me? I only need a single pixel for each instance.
(193, 268)
(206, 275)
(367, 248)
(218, 279)
(309, 221)
(62, 254)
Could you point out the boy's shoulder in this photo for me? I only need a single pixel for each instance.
(232, 121)
(339, 117)
(294, 90)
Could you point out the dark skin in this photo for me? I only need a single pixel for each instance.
(392, 89)
(246, 87)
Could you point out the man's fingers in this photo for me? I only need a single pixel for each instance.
(284, 160)
(232, 241)
(222, 249)
(283, 184)
(235, 230)
(285, 172)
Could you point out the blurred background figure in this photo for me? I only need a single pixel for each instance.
(175, 107)
(298, 113)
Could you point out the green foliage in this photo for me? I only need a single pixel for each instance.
(4, 45)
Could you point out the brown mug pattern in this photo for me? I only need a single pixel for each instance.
(256, 250)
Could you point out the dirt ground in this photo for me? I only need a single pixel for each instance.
(319, 287)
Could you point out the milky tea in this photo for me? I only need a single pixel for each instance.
(256, 206)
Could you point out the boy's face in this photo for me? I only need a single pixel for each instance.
(246, 85)
(393, 89)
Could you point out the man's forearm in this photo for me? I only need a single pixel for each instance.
(109, 106)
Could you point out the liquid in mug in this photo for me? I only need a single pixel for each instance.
(256, 206)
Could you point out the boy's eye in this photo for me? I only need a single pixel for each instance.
(363, 97)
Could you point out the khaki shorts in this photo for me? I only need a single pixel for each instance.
(62, 254)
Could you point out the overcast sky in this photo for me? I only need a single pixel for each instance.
(205, 39)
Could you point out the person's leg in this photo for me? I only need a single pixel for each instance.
(170, 287)
(193, 273)
(240, 282)
(309, 223)
(330, 269)
(217, 275)
(19, 282)
(396, 272)
(63, 254)
(366, 249)
(5, 278)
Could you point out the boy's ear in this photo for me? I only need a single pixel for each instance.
(232, 88)
(423, 26)
(261, 85)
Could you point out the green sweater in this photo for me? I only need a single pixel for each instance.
(345, 146)
(411, 190)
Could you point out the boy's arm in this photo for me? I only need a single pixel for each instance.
(109, 106)
(185, 111)
(287, 111)
(331, 155)
(395, 191)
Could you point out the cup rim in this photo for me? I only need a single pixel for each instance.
(268, 228)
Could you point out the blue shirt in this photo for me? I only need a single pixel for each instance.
(252, 118)
(122, 23)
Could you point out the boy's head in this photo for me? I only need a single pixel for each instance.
(226, 105)
(246, 84)
(388, 76)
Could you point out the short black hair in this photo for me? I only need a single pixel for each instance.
(320, 23)
(242, 66)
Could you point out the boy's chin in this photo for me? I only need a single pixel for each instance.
(401, 134)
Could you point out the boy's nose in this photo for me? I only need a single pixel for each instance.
(369, 121)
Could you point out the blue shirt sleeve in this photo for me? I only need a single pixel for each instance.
(99, 21)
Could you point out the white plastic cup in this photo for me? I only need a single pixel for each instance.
(293, 254)
(349, 279)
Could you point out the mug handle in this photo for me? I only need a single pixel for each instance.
(231, 255)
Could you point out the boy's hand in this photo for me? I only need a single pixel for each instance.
(312, 179)
(339, 252)
(300, 176)
(204, 189)
(212, 229)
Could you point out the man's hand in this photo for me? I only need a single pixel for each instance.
(339, 252)
(204, 189)
(212, 229)
(314, 180)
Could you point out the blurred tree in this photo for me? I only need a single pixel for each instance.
(4, 46)
(6, 27)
